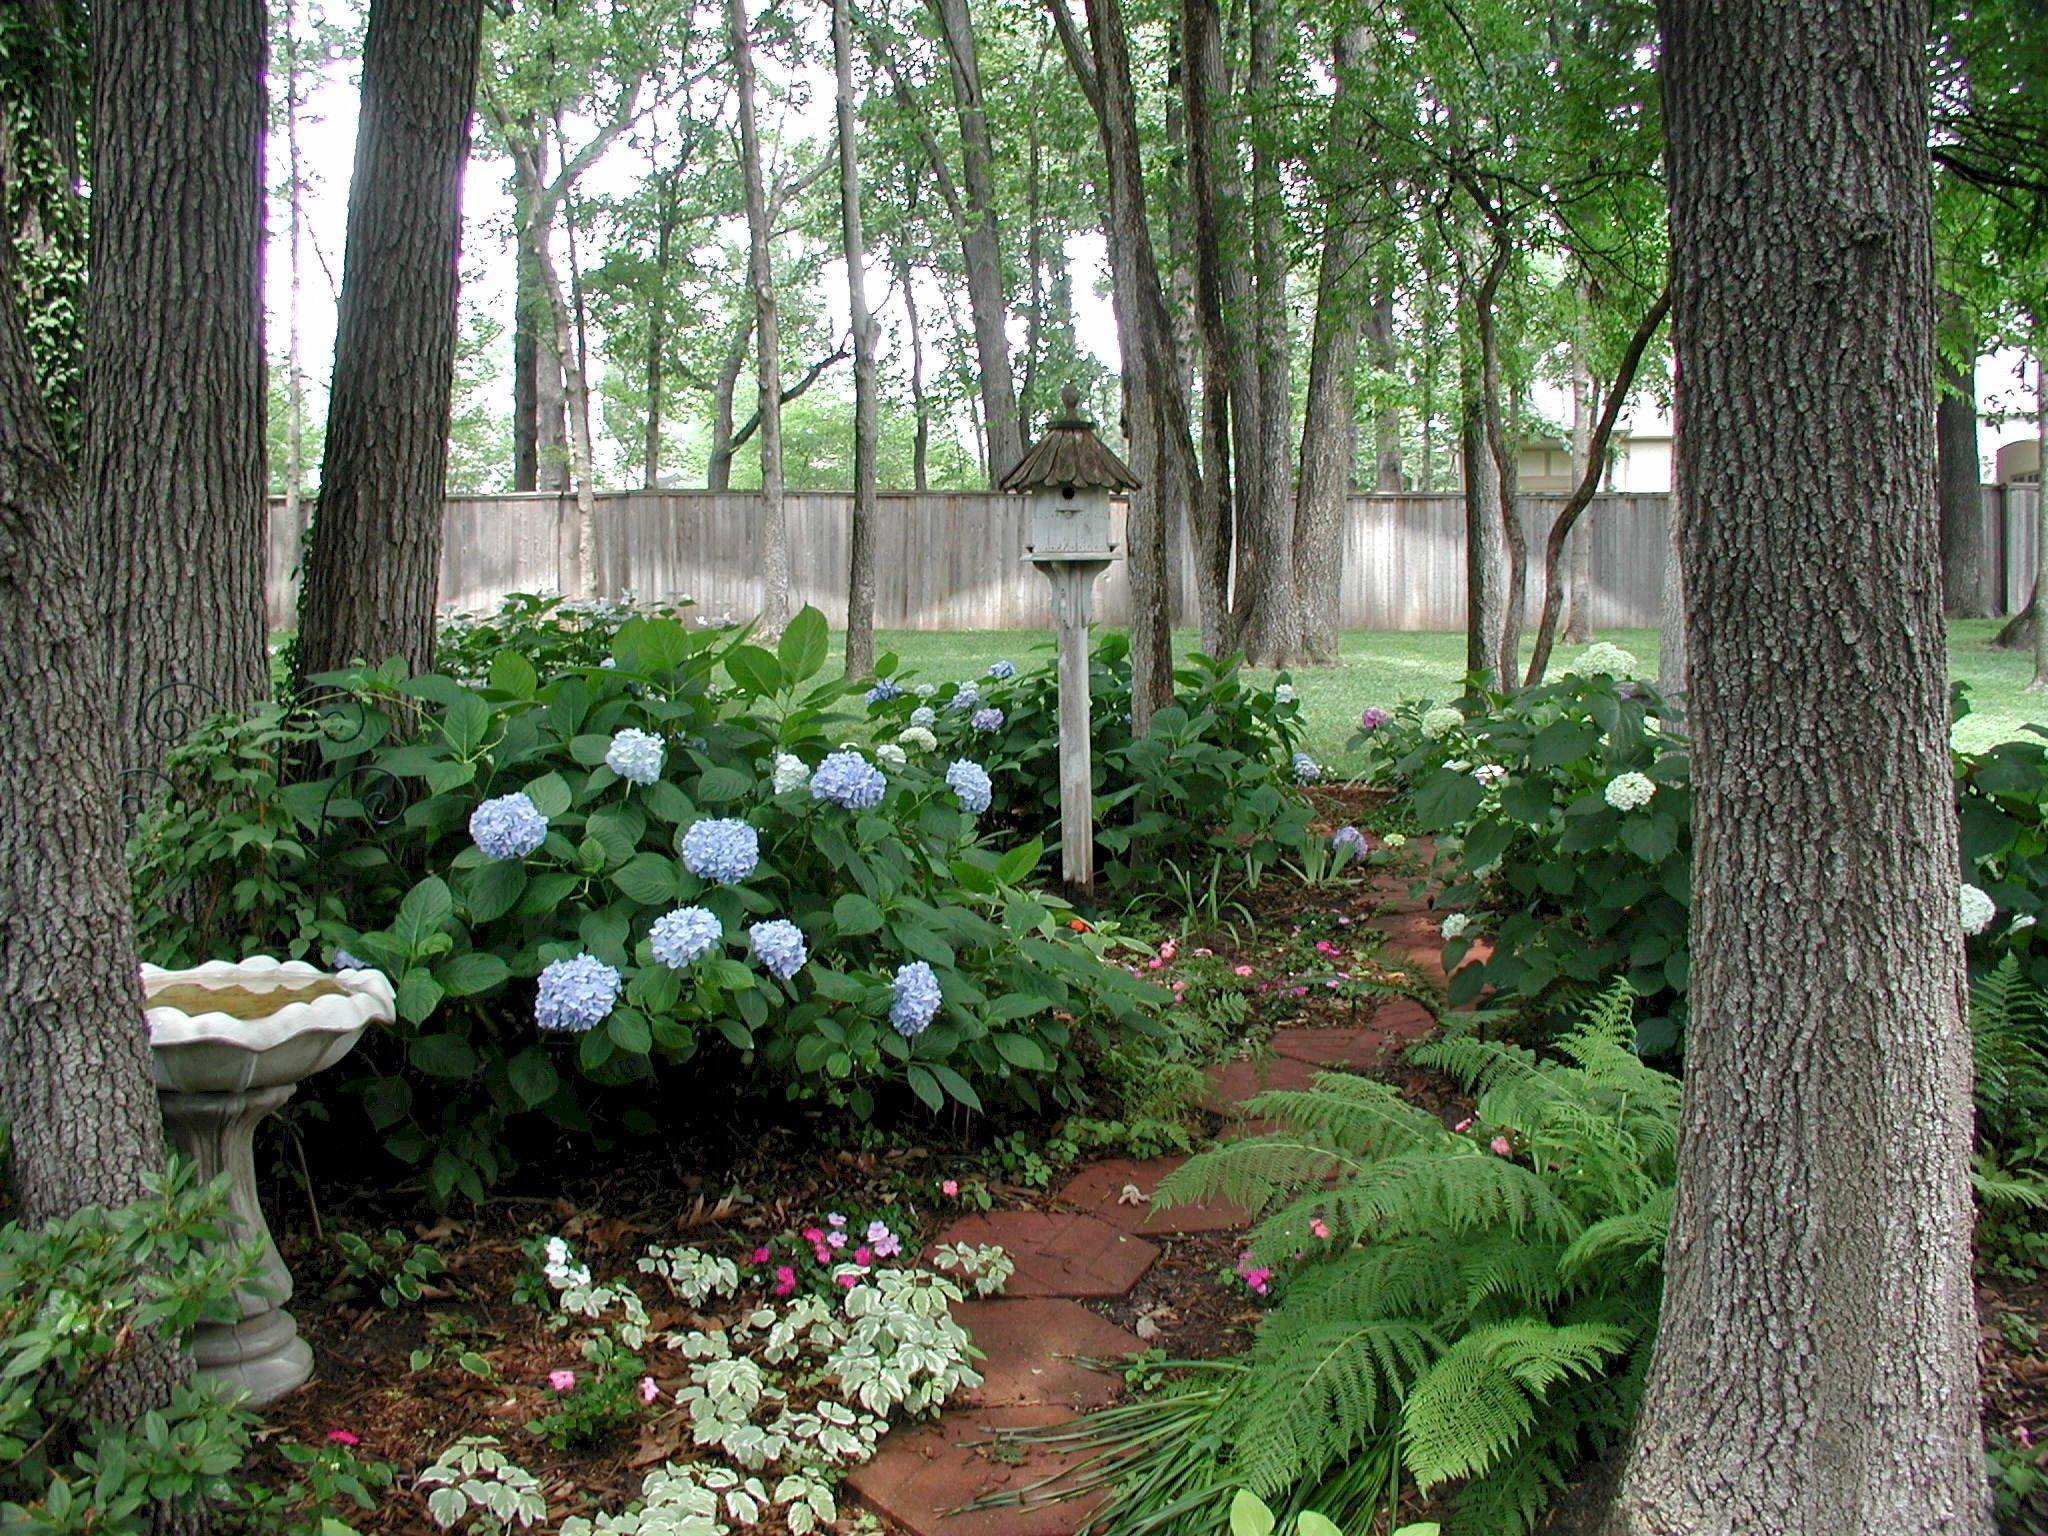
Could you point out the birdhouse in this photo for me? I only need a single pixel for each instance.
(1068, 476)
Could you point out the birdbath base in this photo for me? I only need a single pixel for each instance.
(261, 1354)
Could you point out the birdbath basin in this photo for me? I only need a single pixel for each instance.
(228, 1044)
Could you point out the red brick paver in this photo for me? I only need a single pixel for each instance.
(1102, 1190)
(1057, 1254)
(1035, 1350)
(1339, 1050)
(1232, 1082)
(919, 1475)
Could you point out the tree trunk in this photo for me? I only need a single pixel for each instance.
(655, 372)
(860, 575)
(1815, 1368)
(773, 550)
(174, 472)
(1514, 547)
(1329, 425)
(2038, 683)
(980, 242)
(920, 409)
(582, 576)
(1203, 87)
(1578, 624)
(1387, 474)
(718, 466)
(374, 570)
(1161, 452)
(529, 310)
(1483, 554)
(1965, 559)
(295, 253)
(1673, 670)
(1268, 613)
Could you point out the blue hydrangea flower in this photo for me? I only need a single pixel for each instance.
(884, 689)
(848, 779)
(779, 946)
(914, 998)
(635, 756)
(344, 961)
(970, 785)
(1306, 769)
(986, 720)
(684, 936)
(924, 716)
(966, 696)
(1350, 842)
(509, 827)
(1001, 669)
(575, 994)
(725, 850)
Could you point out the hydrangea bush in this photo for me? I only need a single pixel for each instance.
(563, 930)
(1217, 779)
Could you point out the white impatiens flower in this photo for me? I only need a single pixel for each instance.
(1490, 774)
(1457, 924)
(1394, 840)
(790, 773)
(1440, 722)
(1629, 790)
(1601, 656)
(1976, 909)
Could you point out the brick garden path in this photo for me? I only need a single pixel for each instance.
(1095, 1244)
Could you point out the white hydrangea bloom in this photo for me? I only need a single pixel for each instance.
(1976, 909)
(1629, 790)
(918, 739)
(1440, 722)
(1457, 925)
(1602, 656)
(1490, 774)
(790, 773)
(1283, 693)
(890, 755)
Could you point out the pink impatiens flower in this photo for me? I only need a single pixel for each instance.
(648, 1390)
(785, 1280)
(1241, 970)
(863, 1255)
(846, 1281)
(949, 1187)
(1320, 1227)
(561, 1381)
(761, 1254)
(1463, 1125)
(343, 1437)
(1502, 1146)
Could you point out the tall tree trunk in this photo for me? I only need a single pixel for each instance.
(655, 372)
(1329, 419)
(1204, 87)
(583, 576)
(1815, 1367)
(1674, 671)
(539, 439)
(920, 409)
(374, 570)
(295, 251)
(174, 471)
(1387, 474)
(1578, 624)
(981, 247)
(773, 550)
(526, 351)
(1162, 453)
(1493, 421)
(1965, 560)
(1484, 558)
(1268, 613)
(2038, 683)
(860, 574)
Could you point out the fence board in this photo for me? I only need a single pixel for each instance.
(955, 559)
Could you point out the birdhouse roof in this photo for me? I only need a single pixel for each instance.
(1070, 454)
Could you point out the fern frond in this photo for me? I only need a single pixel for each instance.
(1482, 1394)
(1256, 1172)
(1320, 1388)
(1447, 1193)
(1997, 1186)
(1631, 1238)
(1358, 1114)
(1583, 1419)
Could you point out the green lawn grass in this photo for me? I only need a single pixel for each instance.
(1384, 667)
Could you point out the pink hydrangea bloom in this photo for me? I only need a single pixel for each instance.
(561, 1381)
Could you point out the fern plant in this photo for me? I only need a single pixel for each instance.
(1470, 1304)
(2009, 1028)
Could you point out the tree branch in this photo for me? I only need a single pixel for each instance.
(810, 377)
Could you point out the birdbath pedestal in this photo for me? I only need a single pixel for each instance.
(228, 1044)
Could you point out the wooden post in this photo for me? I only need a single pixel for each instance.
(1073, 603)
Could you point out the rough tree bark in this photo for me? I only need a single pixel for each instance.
(530, 393)
(920, 408)
(1266, 607)
(1674, 669)
(1965, 557)
(1484, 557)
(1578, 624)
(1203, 86)
(2038, 683)
(1329, 426)
(860, 575)
(173, 476)
(1815, 1368)
(773, 551)
(374, 570)
(981, 247)
(718, 466)
(1387, 473)
(1162, 453)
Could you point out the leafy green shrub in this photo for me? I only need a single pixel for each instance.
(1474, 1304)
(81, 1299)
(554, 634)
(1564, 815)
(1214, 780)
(895, 891)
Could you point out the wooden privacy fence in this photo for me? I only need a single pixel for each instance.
(955, 559)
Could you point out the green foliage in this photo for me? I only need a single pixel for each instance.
(1210, 787)
(2009, 1029)
(392, 769)
(600, 1405)
(1569, 889)
(1456, 1312)
(551, 633)
(399, 1270)
(314, 1482)
(83, 1300)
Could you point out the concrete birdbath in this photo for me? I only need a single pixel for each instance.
(228, 1044)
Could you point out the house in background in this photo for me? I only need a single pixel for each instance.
(2018, 462)
(1637, 461)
